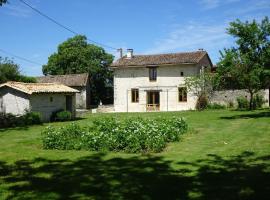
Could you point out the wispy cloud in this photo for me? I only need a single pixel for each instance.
(211, 4)
(250, 7)
(17, 9)
(192, 37)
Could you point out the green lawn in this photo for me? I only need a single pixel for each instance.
(225, 155)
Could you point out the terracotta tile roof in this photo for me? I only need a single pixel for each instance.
(161, 59)
(31, 88)
(68, 79)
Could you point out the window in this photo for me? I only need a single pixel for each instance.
(182, 94)
(134, 95)
(152, 73)
(51, 99)
(182, 73)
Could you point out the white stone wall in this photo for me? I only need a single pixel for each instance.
(226, 96)
(81, 98)
(14, 101)
(41, 103)
(168, 81)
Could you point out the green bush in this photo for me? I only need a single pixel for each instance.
(109, 134)
(32, 118)
(61, 115)
(258, 101)
(9, 120)
(215, 106)
(243, 103)
(202, 102)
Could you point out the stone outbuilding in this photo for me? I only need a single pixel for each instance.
(79, 82)
(17, 98)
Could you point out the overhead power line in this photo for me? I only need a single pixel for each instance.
(19, 57)
(63, 26)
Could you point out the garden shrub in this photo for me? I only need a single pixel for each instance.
(61, 115)
(32, 118)
(109, 134)
(215, 106)
(202, 102)
(243, 103)
(258, 101)
(29, 118)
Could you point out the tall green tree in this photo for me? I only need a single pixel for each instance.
(75, 56)
(247, 63)
(2, 2)
(9, 71)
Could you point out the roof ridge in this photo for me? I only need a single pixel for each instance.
(159, 54)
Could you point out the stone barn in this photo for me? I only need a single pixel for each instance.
(79, 82)
(17, 98)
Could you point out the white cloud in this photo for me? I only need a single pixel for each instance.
(211, 4)
(16, 10)
(192, 37)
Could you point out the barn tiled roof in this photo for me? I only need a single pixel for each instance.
(161, 59)
(33, 88)
(68, 79)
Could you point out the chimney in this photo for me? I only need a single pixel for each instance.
(121, 52)
(129, 53)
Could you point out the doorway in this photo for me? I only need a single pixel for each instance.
(153, 101)
(69, 103)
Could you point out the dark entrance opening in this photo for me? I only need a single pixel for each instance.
(153, 101)
(69, 103)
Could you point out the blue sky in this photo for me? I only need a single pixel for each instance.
(147, 26)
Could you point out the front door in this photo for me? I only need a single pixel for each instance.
(153, 101)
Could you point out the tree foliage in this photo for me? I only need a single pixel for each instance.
(2, 2)
(247, 64)
(202, 86)
(9, 71)
(75, 56)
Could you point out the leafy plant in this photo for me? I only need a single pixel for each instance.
(109, 134)
(63, 116)
(243, 103)
(10, 120)
(216, 106)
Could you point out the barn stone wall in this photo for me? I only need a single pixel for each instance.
(46, 104)
(13, 101)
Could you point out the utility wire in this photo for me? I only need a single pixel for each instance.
(63, 26)
(21, 58)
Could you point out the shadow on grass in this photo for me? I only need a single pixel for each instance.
(18, 128)
(249, 115)
(241, 177)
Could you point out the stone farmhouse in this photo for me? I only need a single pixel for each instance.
(79, 82)
(45, 98)
(156, 82)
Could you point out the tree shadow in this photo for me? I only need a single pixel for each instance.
(249, 116)
(95, 177)
(18, 128)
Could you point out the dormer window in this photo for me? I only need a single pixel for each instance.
(153, 73)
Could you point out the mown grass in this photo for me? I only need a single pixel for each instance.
(225, 155)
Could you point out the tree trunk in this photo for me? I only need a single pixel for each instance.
(251, 100)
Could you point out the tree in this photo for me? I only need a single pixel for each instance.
(202, 86)
(74, 56)
(9, 71)
(246, 64)
(2, 2)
